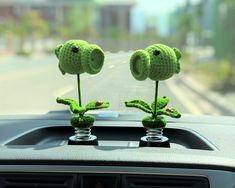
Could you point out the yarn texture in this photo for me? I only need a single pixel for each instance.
(157, 62)
(78, 56)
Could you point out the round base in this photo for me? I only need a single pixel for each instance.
(158, 143)
(91, 141)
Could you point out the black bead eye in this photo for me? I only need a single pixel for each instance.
(75, 49)
(156, 52)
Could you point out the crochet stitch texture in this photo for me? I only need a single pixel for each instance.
(78, 56)
(157, 62)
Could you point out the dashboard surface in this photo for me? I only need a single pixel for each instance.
(38, 144)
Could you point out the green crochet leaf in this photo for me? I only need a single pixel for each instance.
(74, 107)
(172, 112)
(161, 102)
(139, 104)
(94, 105)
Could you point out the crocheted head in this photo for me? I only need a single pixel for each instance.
(157, 62)
(78, 56)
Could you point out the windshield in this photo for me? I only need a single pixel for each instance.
(203, 30)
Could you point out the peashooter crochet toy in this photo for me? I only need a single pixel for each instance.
(77, 57)
(157, 62)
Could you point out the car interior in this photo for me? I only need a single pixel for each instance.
(73, 110)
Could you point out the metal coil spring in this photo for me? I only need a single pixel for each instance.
(82, 134)
(154, 134)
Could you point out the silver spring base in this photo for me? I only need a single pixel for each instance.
(82, 134)
(154, 135)
(83, 137)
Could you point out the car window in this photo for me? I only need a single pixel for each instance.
(203, 30)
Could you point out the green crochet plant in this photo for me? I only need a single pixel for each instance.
(77, 57)
(157, 62)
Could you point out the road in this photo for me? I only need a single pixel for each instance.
(31, 85)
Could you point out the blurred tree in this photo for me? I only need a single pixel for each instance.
(2, 28)
(39, 27)
(230, 82)
(22, 30)
(31, 26)
(224, 40)
(77, 22)
(151, 30)
(197, 28)
(185, 26)
(6, 31)
(229, 24)
(190, 23)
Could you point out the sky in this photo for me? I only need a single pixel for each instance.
(159, 10)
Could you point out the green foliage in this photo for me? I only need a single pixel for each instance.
(72, 27)
(161, 104)
(224, 27)
(184, 26)
(80, 119)
(74, 107)
(49, 50)
(95, 105)
(172, 112)
(139, 104)
(32, 25)
(23, 52)
(216, 75)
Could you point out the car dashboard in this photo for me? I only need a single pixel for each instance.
(34, 153)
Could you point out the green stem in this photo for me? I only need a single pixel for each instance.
(79, 91)
(155, 101)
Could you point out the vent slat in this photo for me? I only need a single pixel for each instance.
(162, 184)
(135, 181)
(34, 185)
(41, 185)
(37, 181)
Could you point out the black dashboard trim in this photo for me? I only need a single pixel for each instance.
(115, 164)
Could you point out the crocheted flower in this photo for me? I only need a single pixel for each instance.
(78, 56)
(157, 62)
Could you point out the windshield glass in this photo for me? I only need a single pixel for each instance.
(203, 30)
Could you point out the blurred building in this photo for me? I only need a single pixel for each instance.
(105, 17)
(53, 11)
(202, 17)
(113, 17)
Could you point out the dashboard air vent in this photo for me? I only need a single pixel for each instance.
(37, 180)
(164, 182)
